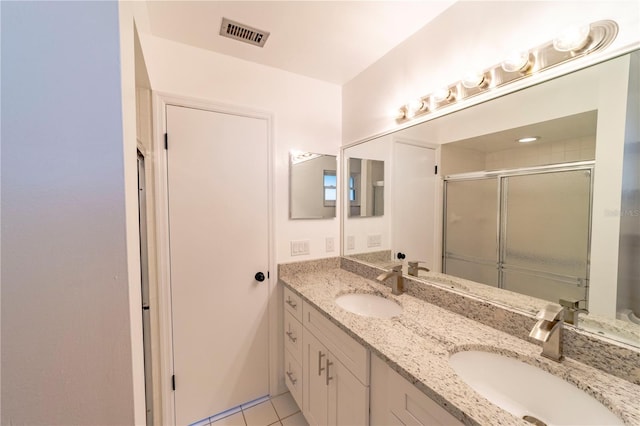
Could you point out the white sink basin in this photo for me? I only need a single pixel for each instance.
(524, 390)
(369, 305)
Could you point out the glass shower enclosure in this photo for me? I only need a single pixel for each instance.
(525, 230)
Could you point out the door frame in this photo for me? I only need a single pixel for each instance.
(160, 100)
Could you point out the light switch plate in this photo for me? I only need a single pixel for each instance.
(374, 240)
(329, 244)
(351, 242)
(299, 248)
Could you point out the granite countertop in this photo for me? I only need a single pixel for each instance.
(621, 331)
(418, 343)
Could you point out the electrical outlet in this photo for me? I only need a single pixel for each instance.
(329, 244)
(374, 240)
(351, 242)
(299, 248)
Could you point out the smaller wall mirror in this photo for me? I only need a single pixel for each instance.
(313, 186)
(366, 187)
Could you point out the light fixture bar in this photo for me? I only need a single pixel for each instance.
(553, 53)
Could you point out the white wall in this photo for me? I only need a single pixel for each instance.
(66, 339)
(307, 117)
(628, 267)
(469, 35)
(129, 145)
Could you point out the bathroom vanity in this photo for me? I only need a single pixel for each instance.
(347, 368)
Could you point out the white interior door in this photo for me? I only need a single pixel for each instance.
(414, 202)
(218, 230)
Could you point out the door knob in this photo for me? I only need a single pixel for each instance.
(259, 276)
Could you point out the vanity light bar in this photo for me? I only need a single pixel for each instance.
(570, 45)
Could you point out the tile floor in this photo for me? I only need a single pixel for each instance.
(279, 410)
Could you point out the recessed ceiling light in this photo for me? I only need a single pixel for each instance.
(529, 139)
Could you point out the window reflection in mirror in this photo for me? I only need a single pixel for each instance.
(312, 186)
(366, 187)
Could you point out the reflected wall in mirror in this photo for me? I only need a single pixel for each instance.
(587, 124)
(313, 186)
(365, 187)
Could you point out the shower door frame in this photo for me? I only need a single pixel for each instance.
(500, 176)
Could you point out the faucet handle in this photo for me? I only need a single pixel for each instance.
(551, 312)
(573, 305)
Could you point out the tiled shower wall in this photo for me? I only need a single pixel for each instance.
(462, 160)
(539, 154)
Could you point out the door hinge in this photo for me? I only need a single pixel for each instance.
(268, 276)
(436, 169)
(166, 141)
(173, 382)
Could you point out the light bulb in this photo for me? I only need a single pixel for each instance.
(572, 39)
(473, 80)
(516, 61)
(442, 94)
(409, 113)
(416, 105)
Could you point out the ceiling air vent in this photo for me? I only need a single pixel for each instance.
(241, 32)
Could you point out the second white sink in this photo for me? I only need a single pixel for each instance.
(529, 392)
(369, 305)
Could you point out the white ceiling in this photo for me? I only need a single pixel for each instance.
(327, 40)
(569, 127)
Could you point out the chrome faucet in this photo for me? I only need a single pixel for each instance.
(398, 283)
(548, 330)
(571, 310)
(414, 268)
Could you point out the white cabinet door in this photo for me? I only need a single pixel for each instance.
(395, 401)
(348, 398)
(332, 394)
(218, 197)
(315, 393)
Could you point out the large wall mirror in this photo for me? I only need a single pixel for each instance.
(313, 185)
(520, 223)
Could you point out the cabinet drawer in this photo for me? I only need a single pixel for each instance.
(293, 336)
(293, 377)
(409, 406)
(293, 304)
(352, 354)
